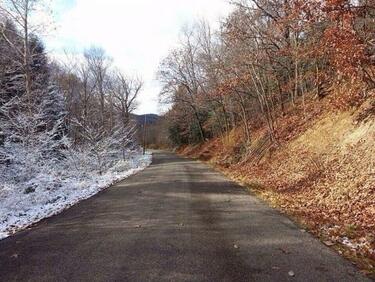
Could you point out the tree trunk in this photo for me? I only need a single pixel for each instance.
(26, 54)
(201, 132)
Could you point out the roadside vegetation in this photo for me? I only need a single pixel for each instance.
(282, 99)
(66, 130)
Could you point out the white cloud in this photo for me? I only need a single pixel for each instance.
(136, 33)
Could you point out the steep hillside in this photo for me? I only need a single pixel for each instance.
(322, 173)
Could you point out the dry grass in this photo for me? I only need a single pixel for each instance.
(322, 174)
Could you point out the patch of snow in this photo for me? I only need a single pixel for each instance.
(29, 193)
(362, 243)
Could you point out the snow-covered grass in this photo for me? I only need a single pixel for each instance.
(32, 188)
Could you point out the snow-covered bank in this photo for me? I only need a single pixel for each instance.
(53, 187)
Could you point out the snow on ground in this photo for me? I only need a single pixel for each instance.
(43, 189)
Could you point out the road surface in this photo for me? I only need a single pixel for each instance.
(178, 220)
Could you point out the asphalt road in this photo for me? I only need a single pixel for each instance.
(176, 221)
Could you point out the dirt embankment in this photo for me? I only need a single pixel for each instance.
(322, 174)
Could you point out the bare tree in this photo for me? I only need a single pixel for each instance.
(125, 90)
(19, 13)
(99, 64)
(181, 76)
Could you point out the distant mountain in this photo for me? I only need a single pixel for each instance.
(150, 119)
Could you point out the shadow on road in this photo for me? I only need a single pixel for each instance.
(176, 221)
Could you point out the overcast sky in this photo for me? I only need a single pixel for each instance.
(137, 34)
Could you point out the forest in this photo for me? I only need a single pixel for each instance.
(281, 98)
(268, 57)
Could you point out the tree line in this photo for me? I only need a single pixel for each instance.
(267, 57)
(47, 106)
